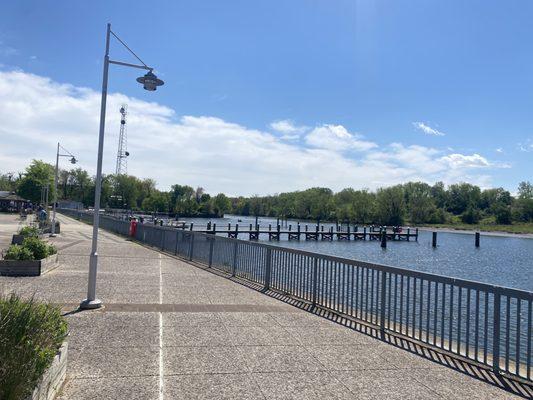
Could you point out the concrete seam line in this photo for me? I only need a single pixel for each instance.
(161, 372)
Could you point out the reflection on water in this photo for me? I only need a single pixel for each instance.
(505, 261)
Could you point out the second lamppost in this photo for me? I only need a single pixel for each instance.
(72, 161)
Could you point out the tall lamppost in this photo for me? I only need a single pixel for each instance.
(150, 82)
(72, 161)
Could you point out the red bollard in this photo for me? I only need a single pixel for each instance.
(133, 227)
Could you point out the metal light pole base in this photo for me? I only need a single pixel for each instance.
(91, 304)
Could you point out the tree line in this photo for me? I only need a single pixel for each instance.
(412, 202)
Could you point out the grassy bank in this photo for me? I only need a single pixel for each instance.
(518, 228)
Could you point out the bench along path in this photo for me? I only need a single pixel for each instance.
(171, 330)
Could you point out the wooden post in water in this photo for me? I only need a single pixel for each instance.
(192, 223)
(434, 240)
(477, 239)
(364, 232)
(384, 239)
(214, 228)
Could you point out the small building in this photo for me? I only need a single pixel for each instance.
(11, 202)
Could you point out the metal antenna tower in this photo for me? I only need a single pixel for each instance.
(122, 153)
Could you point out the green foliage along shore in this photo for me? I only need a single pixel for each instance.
(412, 202)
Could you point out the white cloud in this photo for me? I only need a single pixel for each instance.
(288, 128)
(464, 161)
(499, 150)
(337, 138)
(221, 156)
(428, 130)
(526, 147)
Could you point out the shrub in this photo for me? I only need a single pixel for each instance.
(16, 252)
(29, 231)
(502, 214)
(38, 248)
(438, 216)
(32, 248)
(52, 249)
(30, 335)
(471, 216)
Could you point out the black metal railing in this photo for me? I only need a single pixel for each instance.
(485, 323)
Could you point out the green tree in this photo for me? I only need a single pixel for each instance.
(390, 205)
(8, 182)
(221, 204)
(37, 175)
(463, 196)
(363, 206)
(419, 200)
(525, 190)
(156, 201)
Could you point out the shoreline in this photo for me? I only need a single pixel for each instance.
(473, 231)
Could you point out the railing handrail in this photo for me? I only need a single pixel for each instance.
(429, 276)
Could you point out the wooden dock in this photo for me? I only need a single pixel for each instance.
(310, 233)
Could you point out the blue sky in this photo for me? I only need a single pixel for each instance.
(379, 91)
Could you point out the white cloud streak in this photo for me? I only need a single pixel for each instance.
(428, 130)
(220, 156)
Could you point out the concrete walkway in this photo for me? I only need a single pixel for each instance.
(171, 330)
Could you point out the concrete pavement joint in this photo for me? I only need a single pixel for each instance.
(161, 371)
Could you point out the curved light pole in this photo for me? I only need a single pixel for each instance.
(72, 161)
(150, 82)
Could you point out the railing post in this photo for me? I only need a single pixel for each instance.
(191, 248)
(496, 333)
(211, 243)
(234, 267)
(315, 281)
(382, 304)
(176, 245)
(268, 268)
(163, 239)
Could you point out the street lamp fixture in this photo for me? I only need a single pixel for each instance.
(72, 161)
(150, 82)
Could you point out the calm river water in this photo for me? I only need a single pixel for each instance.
(506, 261)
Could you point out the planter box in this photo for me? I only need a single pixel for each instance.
(28, 268)
(53, 378)
(17, 239)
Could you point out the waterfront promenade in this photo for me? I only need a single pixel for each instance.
(172, 330)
